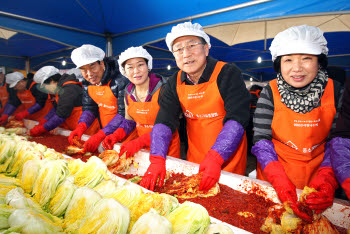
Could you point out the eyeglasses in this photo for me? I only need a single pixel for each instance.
(189, 47)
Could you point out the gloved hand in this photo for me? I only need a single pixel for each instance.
(155, 170)
(3, 119)
(37, 130)
(325, 184)
(211, 167)
(42, 121)
(285, 189)
(2, 110)
(134, 146)
(81, 128)
(22, 115)
(92, 144)
(111, 139)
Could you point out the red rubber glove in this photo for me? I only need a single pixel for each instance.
(155, 170)
(81, 128)
(134, 146)
(3, 119)
(111, 139)
(37, 130)
(94, 141)
(22, 115)
(2, 110)
(325, 184)
(211, 167)
(285, 189)
(42, 121)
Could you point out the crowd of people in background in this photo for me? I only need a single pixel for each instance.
(297, 126)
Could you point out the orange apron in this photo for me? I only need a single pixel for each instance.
(107, 104)
(144, 114)
(204, 110)
(4, 95)
(28, 100)
(299, 139)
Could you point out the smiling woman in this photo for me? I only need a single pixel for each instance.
(293, 118)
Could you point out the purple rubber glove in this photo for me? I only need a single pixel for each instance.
(228, 139)
(34, 108)
(51, 113)
(53, 122)
(9, 109)
(340, 158)
(160, 139)
(119, 122)
(87, 117)
(264, 151)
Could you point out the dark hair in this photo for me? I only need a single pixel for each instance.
(53, 78)
(322, 61)
(203, 40)
(30, 76)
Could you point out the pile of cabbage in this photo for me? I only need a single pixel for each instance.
(40, 192)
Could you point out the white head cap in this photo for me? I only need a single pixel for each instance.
(76, 72)
(134, 52)
(185, 29)
(301, 39)
(44, 73)
(86, 54)
(13, 78)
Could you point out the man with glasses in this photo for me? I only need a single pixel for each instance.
(103, 95)
(215, 102)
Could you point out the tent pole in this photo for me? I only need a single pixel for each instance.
(109, 47)
(27, 65)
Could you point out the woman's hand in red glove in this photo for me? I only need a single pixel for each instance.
(94, 141)
(155, 170)
(37, 130)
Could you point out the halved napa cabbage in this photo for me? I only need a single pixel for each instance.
(24, 153)
(90, 175)
(128, 194)
(81, 204)
(218, 228)
(7, 149)
(31, 221)
(162, 203)
(107, 216)
(152, 223)
(189, 218)
(74, 165)
(18, 199)
(5, 212)
(107, 188)
(10, 181)
(62, 197)
(30, 172)
(51, 174)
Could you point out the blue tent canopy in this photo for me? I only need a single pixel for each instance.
(47, 31)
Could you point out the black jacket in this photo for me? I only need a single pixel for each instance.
(39, 96)
(117, 85)
(70, 96)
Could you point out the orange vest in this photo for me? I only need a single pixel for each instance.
(28, 100)
(204, 110)
(144, 114)
(106, 101)
(299, 139)
(4, 95)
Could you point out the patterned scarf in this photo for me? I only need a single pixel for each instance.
(303, 100)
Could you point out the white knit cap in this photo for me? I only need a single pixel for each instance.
(134, 52)
(13, 78)
(185, 29)
(86, 54)
(44, 73)
(301, 39)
